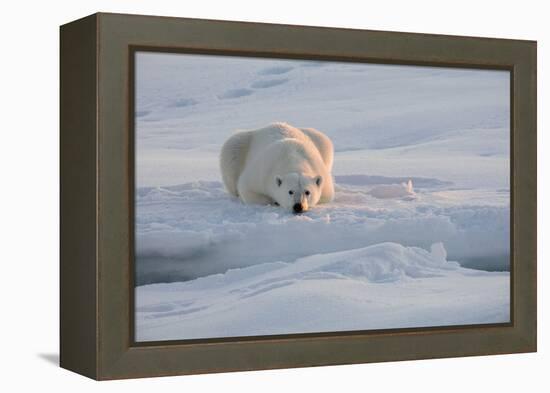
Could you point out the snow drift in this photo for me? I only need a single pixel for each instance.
(196, 229)
(380, 286)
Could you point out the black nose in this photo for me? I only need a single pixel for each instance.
(298, 208)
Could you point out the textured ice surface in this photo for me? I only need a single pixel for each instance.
(380, 286)
(194, 229)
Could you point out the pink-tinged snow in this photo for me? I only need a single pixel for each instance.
(209, 266)
(375, 287)
(196, 229)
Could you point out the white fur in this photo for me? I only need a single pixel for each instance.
(262, 166)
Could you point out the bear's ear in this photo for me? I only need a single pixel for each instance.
(318, 180)
(279, 181)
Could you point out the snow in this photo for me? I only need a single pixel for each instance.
(381, 118)
(194, 229)
(367, 288)
(359, 262)
(403, 190)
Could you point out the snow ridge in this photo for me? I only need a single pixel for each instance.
(365, 288)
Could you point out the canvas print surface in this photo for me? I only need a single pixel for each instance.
(279, 196)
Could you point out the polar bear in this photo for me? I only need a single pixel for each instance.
(279, 164)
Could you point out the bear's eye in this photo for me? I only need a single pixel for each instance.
(291, 192)
(307, 192)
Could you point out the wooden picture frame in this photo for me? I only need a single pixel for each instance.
(97, 196)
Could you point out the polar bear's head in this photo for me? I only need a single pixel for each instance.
(297, 192)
